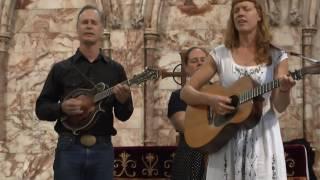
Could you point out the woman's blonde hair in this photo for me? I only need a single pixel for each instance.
(263, 36)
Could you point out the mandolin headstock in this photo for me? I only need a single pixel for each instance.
(149, 73)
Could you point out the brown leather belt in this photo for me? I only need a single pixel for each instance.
(87, 140)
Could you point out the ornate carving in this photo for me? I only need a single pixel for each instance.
(150, 164)
(307, 36)
(291, 164)
(106, 43)
(274, 12)
(167, 165)
(124, 162)
(313, 13)
(190, 8)
(212, 1)
(4, 41)
(189, 3)
(115, 22)
(295, 16)
(138, 20)
(218, 1)
(116, 14)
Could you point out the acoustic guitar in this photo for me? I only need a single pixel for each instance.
(208, 132)
(91, 101)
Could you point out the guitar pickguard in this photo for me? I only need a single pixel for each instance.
(222, 120)
(218, 120)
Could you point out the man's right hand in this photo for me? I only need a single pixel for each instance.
(71, 107)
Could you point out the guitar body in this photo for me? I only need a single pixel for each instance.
(86, 120)
(208, 132)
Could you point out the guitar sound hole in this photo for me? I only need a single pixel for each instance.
(234, 101)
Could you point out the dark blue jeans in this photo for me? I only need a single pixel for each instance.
(73, 161)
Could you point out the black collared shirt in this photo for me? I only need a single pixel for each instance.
(77, 72)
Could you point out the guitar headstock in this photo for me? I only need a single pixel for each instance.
(313, 69)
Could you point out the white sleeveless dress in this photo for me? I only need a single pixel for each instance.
(255, 154)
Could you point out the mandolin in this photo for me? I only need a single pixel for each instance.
(209, 132)
(91, 101)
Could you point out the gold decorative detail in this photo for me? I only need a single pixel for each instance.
(125, 163)
(291, 164)
(167, 165)
(151, 162)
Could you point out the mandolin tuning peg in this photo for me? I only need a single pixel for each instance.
(100, 86)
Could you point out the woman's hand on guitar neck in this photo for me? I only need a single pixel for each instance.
(72, 107)
(286, 83)
(221, 104)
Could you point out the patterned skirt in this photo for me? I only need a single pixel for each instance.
(188, 164)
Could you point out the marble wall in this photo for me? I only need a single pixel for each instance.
(34, 34)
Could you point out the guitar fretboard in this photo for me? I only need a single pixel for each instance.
(257, 91)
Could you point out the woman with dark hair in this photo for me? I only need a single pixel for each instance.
(255, 153)
(188, 164)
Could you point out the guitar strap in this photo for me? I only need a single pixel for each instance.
(275, 53)
(99, 87)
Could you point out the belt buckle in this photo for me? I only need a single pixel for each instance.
(88, 140)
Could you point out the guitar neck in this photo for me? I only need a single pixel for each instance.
(257, 91)
(108, 92)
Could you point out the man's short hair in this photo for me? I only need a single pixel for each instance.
(86, 7)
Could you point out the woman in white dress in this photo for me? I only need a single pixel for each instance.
(255, 153)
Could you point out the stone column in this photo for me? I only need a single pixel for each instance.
(150, 38)
(106, 44)
(310, 90)
(307, 35)
(6, 12)
(311, 83)
(4, 41)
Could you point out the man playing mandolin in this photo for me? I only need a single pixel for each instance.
(255, 151)
(69, 97)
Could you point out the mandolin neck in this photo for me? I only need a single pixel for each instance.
(108, 92)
